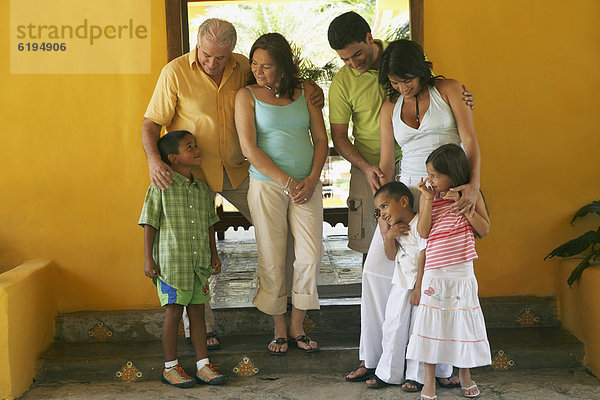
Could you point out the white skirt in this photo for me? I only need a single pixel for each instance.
(449, 327)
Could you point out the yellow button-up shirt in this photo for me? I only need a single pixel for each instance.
(186, 98)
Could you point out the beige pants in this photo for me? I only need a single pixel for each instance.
(272, 213)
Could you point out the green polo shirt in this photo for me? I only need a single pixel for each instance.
(181, 216)
(358, 97)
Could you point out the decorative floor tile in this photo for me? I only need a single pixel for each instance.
(129, 372)
(245, 368)
(527, 318)
(308, 324)
(502, 361)
(100, 333)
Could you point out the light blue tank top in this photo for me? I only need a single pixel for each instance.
(437, 128)
(282, 133)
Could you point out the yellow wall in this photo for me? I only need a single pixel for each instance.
(28, 297)
(74, 176)
(74, 172)
(578, 308)
(533, 66)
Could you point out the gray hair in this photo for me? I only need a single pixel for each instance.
(218, 31)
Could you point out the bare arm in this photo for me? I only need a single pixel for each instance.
(160, 173)
(151, 270)
(215, 261)
(425, 202)
(466, 129)
(339, 136)
(387, 158)
(480, 220)
(415, 296)
(390, 245)
(306, 187)
(246, 128)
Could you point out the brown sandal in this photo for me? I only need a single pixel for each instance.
(280, 341)
(305, 339)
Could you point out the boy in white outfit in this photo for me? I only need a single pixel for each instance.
(394, 206)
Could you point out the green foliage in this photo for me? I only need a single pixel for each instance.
(593, 207)
(589, 240)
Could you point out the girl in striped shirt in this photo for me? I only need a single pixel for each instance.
(449, 326)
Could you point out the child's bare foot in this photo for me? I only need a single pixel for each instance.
(469, 387)
(428, 392)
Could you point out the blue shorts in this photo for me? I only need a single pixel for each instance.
(200, 294)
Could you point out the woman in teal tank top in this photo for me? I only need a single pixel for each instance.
(284, 138)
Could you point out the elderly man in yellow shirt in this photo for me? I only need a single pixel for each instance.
(196, 92)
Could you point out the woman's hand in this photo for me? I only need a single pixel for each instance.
(426, 191)
(301, 192)
(451, 195)
(468, 199)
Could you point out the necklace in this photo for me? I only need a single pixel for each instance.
(417, 102)
(276, 92)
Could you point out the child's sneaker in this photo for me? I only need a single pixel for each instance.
(177, 377)
(209, 375)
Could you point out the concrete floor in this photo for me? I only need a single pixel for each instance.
(235, 286)
(494, 385)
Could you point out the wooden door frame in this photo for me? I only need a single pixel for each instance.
(178, 37)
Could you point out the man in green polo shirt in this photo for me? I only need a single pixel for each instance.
(355, 94)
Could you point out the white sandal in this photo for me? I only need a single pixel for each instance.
(424, 396)
(471, 396)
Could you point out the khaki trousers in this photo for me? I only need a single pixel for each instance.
(273, 213)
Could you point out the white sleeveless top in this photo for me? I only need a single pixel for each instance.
(437, 128)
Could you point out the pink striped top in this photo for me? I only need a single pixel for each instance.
(451, 239)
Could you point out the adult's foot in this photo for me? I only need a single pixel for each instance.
(448, 383)
(278, 346)
(303, 341)
(360, 374)
(411, 386)
(212, 341)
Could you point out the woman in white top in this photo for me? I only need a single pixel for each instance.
(422, 113)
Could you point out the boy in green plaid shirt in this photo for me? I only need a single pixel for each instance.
(180, 254)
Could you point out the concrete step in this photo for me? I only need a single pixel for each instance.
(512, 349)
(341, 315)
(103, 361)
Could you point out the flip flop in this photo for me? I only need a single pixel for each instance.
(471, 396)
(361, 378)
(378, 383)
(305, 339)
(424, 396)
(280, 341)
(417, 388)
(211, 335)
(447, 385)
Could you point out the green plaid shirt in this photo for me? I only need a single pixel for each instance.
(181, 216)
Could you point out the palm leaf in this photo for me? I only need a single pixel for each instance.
(593, 207)
(576, 274)
(575, 246)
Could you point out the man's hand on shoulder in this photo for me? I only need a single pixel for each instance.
(374, 177)
(160, 174)
(317, 97)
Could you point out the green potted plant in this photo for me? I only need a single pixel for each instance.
(589, 240)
